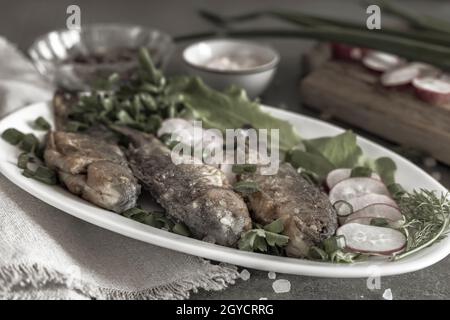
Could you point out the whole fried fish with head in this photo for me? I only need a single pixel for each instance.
(308, 215)
(94, 169)
(196, 194)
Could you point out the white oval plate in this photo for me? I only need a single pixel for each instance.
(409, 175)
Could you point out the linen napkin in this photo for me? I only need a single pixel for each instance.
(48, 254)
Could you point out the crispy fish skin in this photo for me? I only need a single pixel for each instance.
(196, 194)
(93, 169)
(308, 215)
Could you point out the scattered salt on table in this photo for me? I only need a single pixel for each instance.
(281, 286)
(272, 275)
(387, 295)
(245, 275)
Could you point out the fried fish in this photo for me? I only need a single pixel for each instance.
(94, 169)
(198, 195)
(308, 215)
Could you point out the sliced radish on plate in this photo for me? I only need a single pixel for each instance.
(434, 90)
(371, 239)
(346, 52)
(381, 61)
(379, 222)
(378, 210)
(356, 187)
(370, 199)
(406, 74)
(337, 175)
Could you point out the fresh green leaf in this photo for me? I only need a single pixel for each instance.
(23, 160)
(230, 109)
(341, 151)
(181, 229)
(361, 172)
(29, 143)
(246, 187)
(276, 226)
(311, 162)
(41, 124)
(386, 168)
(244, 168)
(317, 253)
(12, 136)
(274, 239)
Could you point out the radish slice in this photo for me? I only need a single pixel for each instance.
(346, 52)
(371, 239)
(406, 74)
(370, 199)
(369, 221)
(432, 89)
(376, 211)
(356, 187)
(381, 61)
(337, 175)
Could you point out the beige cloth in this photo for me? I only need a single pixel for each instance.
(47, 254)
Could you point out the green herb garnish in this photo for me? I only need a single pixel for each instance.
(29, 143)
(427, 219)
(23, 160)
(157, 220)
(263, 240)
(244, 168)
(13, 136)
(246, 187)
(360, 172)
(41, 124)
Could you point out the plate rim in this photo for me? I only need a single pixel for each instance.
(154, 236)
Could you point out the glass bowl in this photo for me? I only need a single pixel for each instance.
(79, 59)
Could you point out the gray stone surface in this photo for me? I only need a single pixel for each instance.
(22, 20)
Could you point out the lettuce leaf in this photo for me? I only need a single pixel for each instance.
(231, 109)
(341, 150)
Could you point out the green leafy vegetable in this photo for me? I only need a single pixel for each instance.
(181, 229)
(341, 150)
(361, 172)
(246, 187)
(276, 226)
(23, 160)
(243, 168)
(267, 239)
(12, 136)
(310, 162)
(42, 174)
(29, 143)
(386, 168)
(322, 155)
(157, 220)
(231, 109)
(41, 124)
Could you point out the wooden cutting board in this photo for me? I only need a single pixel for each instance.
(349, 92)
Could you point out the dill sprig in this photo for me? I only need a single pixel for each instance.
(427, 219)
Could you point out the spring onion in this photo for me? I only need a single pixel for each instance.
(13, 136)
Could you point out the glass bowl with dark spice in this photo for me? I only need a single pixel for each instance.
(81, 59)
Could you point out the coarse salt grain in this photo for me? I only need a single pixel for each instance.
(272, 275)
(245, 275)
(387, 295)
(281, 286)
